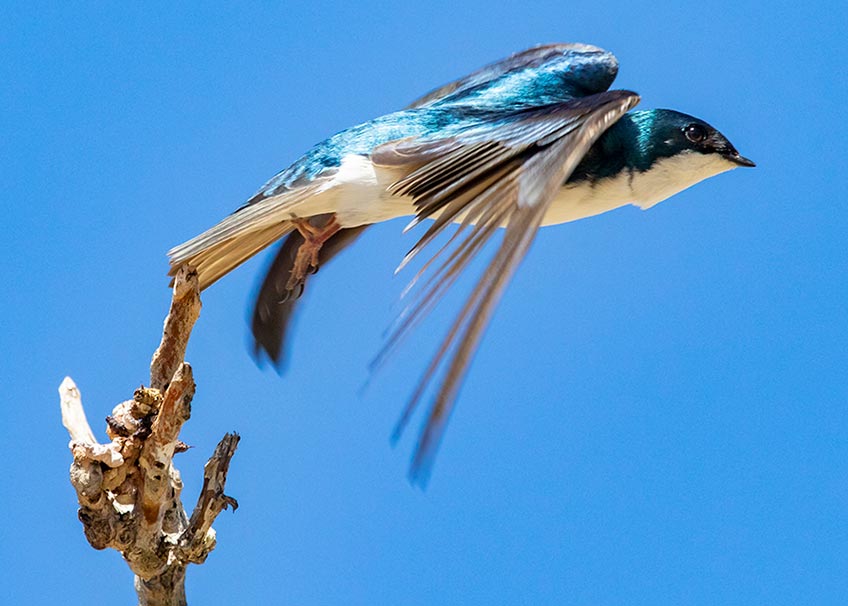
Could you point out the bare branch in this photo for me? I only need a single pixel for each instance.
(185, 309)
(73, 415)
(168, 589)
(128, 489)
(199, 538)
(158, 449)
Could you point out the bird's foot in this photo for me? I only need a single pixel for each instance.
(314, 237)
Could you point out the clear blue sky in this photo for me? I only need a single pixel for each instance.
(658, 411)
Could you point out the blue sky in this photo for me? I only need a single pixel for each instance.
(658, 411)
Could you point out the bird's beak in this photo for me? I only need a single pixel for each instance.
(730, 153)
(726, 149)
(740, 160)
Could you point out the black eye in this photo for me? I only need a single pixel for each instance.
(695, 133)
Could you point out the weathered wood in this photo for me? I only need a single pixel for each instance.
(185, 309)
(128, 489)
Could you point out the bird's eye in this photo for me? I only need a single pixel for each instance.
(695, 133)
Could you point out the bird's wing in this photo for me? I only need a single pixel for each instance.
(275, 304)
(577, 70)
(503, 173)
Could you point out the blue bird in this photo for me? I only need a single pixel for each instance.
(532, 140)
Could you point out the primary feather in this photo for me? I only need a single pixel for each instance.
(509, 174)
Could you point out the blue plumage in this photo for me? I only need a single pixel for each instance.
(538, 77)
(361, 140)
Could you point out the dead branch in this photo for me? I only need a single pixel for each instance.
(128, 489)
(185, 309)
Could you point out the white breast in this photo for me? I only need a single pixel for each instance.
(672, 175)
(643, 189)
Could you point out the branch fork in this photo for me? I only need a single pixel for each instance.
(128, 489)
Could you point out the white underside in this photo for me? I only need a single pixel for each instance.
(358, 192)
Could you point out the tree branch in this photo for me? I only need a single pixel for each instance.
(199, 538)
(185, 309)
(128, 489)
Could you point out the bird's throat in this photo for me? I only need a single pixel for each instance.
(668, 176)
(664, 178)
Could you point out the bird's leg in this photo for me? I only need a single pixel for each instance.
(314, 238)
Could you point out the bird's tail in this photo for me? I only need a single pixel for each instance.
(214, 254)
(246, 232)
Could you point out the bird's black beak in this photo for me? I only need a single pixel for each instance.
(740, 160)
(729, 152)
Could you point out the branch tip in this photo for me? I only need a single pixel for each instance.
(73, 414)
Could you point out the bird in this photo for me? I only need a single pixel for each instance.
(532, 140)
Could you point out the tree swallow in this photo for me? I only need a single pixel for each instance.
(535, 139)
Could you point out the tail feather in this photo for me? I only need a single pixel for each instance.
(222, 248)
(220, 258)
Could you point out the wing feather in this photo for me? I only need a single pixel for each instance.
(585, 70)
(489, 176)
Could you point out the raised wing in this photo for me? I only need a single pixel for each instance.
(493, 174)
(540, 75)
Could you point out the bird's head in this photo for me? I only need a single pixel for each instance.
(665, 133)
(672, 151)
